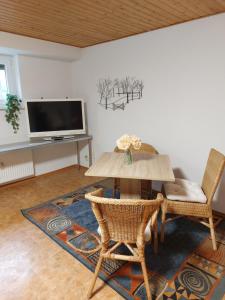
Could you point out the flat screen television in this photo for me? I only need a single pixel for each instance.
(55, 117)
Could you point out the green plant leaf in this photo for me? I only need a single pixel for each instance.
(12, 111)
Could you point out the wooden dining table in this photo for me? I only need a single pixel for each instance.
(144, 167)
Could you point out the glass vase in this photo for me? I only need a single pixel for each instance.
(128, 157)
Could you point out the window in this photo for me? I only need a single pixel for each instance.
(7, 78)
(3, 83)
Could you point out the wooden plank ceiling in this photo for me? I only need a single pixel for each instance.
(84, 23)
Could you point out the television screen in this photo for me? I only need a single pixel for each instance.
(55, 116)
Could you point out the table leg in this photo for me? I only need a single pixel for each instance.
(90, 152)
(78, 155)
(130, 188)
(146, 189)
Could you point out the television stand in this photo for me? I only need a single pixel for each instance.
(35, 144)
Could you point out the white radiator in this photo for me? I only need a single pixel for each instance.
(16, 165)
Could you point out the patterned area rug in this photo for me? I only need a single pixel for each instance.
(185, 267)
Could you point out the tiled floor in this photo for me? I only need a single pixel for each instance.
(32, 266)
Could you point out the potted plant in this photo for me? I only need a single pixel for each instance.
(12, 111)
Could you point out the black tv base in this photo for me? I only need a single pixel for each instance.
(59, 138)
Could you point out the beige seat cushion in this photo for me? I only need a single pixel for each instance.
(184, 190)
(147, 231)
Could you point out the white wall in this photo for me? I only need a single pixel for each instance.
(182, 110)
(16, 44)
(48, 78)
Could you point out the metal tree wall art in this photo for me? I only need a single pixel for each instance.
(116, 94)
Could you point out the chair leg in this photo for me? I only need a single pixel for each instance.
(145, 274)
(97, 269)
(162, 228)
(212, 231)
(154, 228)
(156, 237)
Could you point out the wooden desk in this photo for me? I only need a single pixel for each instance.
(144, 166)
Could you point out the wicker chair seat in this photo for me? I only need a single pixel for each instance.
(147, 231)
(185, 209)
(184, 190)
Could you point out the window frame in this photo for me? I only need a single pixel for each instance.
(8, 62)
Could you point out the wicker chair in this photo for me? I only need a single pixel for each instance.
(124, 222)
(146, 185)
(193, 208)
